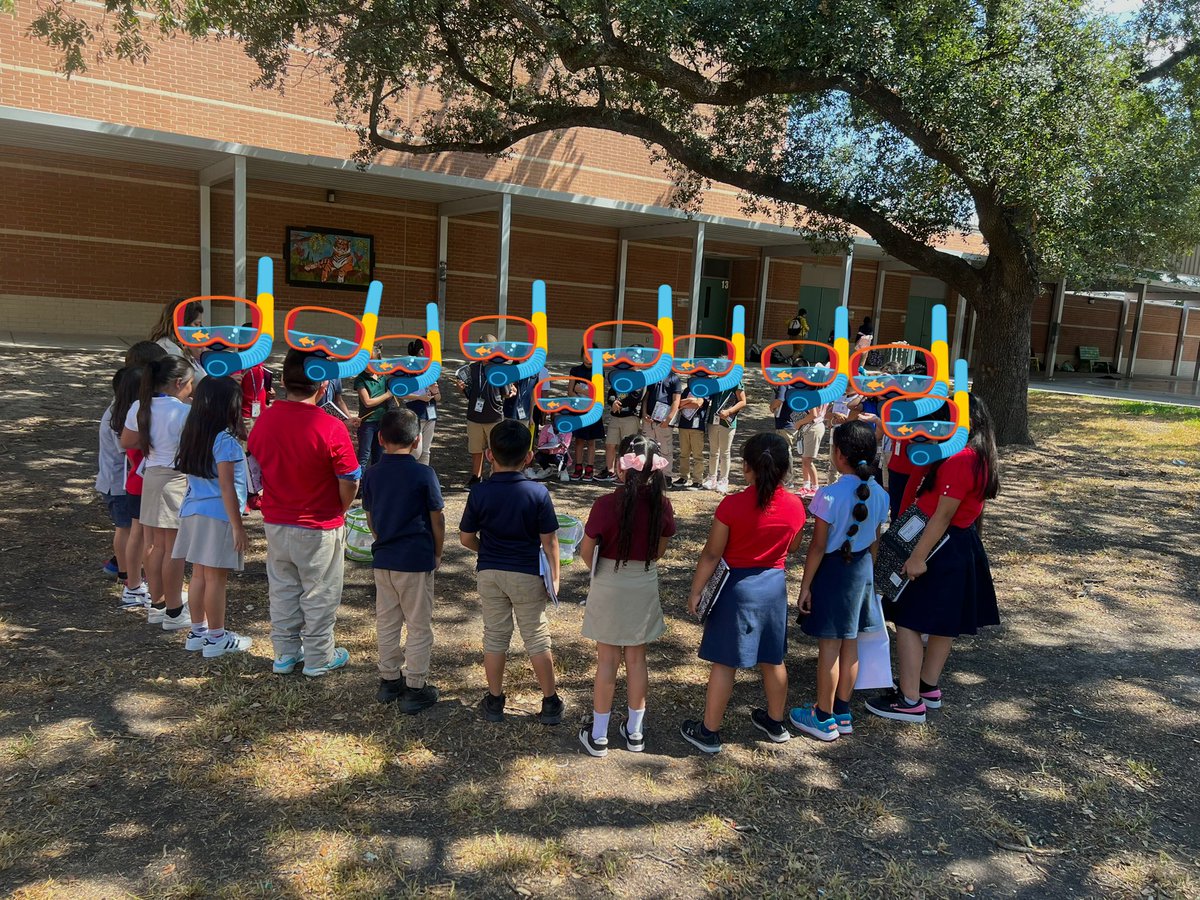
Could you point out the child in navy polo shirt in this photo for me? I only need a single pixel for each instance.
(510, 521)
(404, 505)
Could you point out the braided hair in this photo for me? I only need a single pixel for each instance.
(768, 456)
(855, 440)
(648, 483)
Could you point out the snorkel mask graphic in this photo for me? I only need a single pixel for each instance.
(412, 373)
(709, 375)
(934, 440)
(234, 347)
(911, 410)
(573, 411)
(514, 360)
(642, 365)
(812, 385)
(331, 357)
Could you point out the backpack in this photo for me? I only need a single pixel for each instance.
(794, 327)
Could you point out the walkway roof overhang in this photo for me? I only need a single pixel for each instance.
(59, 133)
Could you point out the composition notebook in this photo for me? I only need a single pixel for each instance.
(895, 547)
(711, 591)
(547, 577)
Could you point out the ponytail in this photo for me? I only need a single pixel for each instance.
(126, 391)
(644, 481)
(855, 440)
(767, 455)
(156, 376)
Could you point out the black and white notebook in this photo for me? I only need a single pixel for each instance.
(711, 592)
(895, 547)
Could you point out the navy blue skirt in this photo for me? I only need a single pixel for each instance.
(955, 596)
(593, 432)
(748, 623)
(842, 594)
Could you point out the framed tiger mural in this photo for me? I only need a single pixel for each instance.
(327, 258)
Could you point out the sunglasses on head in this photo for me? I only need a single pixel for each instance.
(817, 374)
(311, 342)
(233, 337)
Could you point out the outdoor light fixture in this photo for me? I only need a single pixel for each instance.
(330, 197)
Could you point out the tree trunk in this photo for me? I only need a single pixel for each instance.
(1000, 363)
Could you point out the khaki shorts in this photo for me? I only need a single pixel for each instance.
(810, 438)
(621, 427)
(508, 595)
(163, 490)
(477, 436)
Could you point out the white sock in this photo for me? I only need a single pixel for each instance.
(600, 725)
(634, 725)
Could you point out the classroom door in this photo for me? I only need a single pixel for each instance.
(821, 304)
(713, 316)
(918, 325)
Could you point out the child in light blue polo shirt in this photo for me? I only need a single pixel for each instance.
(838, 592)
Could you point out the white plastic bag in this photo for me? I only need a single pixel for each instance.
(874, 655)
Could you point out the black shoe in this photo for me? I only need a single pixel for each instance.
(417, 699)
(552, 710)
(693, 732)
(475, 479)
(390, 690)
(598, 748)
(892, 705)
(605, 475)
(634, 743)
(492, 707)
(768, 726)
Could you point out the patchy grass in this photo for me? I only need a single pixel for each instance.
(129, 768)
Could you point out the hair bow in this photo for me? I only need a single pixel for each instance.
(637, 462)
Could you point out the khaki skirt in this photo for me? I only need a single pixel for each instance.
(623, 607)
(163, 490)
(205, 541)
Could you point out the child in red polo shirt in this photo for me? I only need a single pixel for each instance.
(310, 477)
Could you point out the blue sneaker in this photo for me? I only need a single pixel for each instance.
(110, 567)
(845, 723)
(806, 720)
(341, 656)
(286, 665)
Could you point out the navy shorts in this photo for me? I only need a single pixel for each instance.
(120, 510)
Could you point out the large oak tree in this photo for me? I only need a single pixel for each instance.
(1067, 139)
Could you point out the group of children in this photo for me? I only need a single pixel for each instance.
(175, 476)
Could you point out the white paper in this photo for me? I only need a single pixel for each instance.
(874, 655)
(547, 578)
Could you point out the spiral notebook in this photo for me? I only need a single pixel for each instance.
(711, 592)
(895, 547)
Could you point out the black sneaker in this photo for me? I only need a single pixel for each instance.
(681, 484)
(892, 705)
(598, 748)
(475, 479)
(417, 699)
(492, 707)
(768, 726)
(552, 710)
(605, 475)
(634, 743)
(693, 732)
(390, 690)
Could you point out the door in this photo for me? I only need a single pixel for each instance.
(918, 325)
(820, 305)
(713, 316)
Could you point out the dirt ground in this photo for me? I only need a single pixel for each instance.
(1063, 764)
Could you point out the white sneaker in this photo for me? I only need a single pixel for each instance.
(155, 616)
(135, 598)
(564, 476)
(229, 642)
(179, 622)
(709, 484)
(194, 642)
(530, 473)
(723, 487)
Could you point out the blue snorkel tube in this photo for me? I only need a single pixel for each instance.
(226, 362)
(568, 423)
(911, 410)
(708, 385)
(625, 381)
(923, 453)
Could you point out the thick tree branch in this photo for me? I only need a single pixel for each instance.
(954, 270)
(1168, 65)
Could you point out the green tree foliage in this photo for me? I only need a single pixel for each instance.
(1067, 139)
